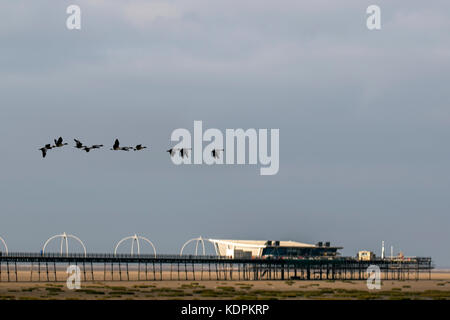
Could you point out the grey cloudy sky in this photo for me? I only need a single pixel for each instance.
(364, 121)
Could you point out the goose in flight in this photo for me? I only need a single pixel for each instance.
(184, 152)
(117, 146)
(78, 145)
(95, 146)
(172, 151)
(59, 142)
(215, 153)
(44, 151)
(139, 147)
(45, 148)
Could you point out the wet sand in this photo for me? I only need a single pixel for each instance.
(437, 288)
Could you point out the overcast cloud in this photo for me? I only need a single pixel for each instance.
(364, 119)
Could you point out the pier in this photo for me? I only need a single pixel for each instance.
(51, 267)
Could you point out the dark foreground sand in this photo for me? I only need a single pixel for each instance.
(437, 288)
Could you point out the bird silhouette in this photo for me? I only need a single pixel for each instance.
(117, 146)
(95, 146)
(139, 147)
(59, 143)
(78, 144)
(172, 151)
(184, 152)
(45, 148)
(44, 152)
(215, 153)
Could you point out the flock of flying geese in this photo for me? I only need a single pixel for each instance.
(116, 147)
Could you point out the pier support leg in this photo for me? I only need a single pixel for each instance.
(217, 272)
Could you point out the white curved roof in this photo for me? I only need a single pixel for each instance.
(259, 243)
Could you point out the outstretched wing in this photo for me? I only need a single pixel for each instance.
(184, 152)
(78, 142)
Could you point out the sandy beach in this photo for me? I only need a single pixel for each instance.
(436, 288)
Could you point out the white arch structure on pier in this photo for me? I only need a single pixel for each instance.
(135, 238)
(64, 240)
(199, 240)
(4, 244)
